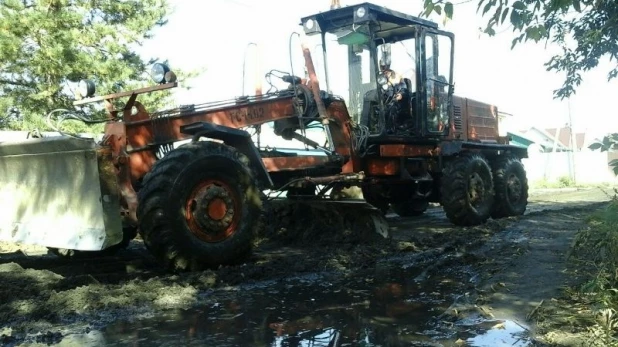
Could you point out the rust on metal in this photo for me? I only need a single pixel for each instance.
(382, 166)
(115, 140)
(406, 150)
(277, 164)
(482, 120)
(141, 130)
(314, 84)
(127, 93)
(213, 211)
(340, 127)
(336, 178)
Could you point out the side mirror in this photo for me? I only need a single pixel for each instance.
(386, 55)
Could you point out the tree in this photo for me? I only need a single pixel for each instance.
(47, 46)
(585, 31)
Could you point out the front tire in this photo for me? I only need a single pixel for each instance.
(199, 207)
(467, 190)
(511, 187)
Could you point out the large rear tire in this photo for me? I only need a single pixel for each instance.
(467, 190)
(411, 208)
(200, 207)
(511, 188)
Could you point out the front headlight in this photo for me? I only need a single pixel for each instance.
(158, 71)
(361, 12)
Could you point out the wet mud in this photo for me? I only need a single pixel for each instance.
(430, 284)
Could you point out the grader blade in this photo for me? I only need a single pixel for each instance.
(56, 192)
(349, 216)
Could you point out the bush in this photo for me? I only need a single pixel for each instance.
(597, 247)
(565, 181)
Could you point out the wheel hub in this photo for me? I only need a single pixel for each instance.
(211, 211)
(217, 209)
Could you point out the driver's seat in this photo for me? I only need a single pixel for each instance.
(370, 102)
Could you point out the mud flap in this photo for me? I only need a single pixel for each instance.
(56, 192)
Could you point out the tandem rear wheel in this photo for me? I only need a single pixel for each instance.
(467, 190)
(475, 189)
(511, 187)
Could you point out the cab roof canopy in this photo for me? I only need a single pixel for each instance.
(351, 23)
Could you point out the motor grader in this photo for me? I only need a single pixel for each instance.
(391, 124)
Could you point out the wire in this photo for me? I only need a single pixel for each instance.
(67, 114)
(359, 140)
(290, 55)
(276, 73)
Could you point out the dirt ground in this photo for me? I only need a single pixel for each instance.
(520, 265)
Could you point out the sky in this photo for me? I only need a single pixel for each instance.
(213, 35)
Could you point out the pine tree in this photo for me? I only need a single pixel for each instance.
(47, 46)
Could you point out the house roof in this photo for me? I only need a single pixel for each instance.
(563, 142)
(564, 137)
(519, 139)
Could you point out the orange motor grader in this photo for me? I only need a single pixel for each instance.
(391, 127)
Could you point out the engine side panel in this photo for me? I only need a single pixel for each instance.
(53, 194)
(459, 128)
(482, 121)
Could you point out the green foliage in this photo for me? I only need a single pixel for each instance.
(585, 30)
(608, 143)
(565, 182)
(597, 246)
(46, 46)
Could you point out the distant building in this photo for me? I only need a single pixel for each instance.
(547, 139)
(564, 137)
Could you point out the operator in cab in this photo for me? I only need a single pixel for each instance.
(397, 98)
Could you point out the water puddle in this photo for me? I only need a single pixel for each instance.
(386, 308)
(501, 333)
(479, 332)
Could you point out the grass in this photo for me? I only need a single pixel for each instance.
(564, 182)
(596, 248)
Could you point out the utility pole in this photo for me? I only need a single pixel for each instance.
(572, 143)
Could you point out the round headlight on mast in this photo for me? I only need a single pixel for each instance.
(85, 88)
(158, 72)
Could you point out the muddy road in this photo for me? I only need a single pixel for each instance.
(430, 284)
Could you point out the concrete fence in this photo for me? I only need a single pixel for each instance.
(586, 167)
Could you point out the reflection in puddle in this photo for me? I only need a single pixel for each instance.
(501, 333)
(385, 308)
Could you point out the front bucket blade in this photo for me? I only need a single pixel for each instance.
(55, 193)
